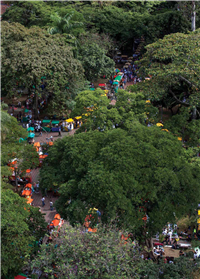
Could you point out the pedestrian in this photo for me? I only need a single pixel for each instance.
(51, 138)
(37, 187)
(43, 201)
(40, 129)
(51, 205)
(59, 131)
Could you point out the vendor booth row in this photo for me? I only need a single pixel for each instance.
(67, 125)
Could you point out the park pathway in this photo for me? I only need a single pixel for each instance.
(49, 215)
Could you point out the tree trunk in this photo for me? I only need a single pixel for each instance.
(149, 244)
(193, 16)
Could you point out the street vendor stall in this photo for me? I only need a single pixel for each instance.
(69, 124)
(55, 127)
(46, 125)
(78, 121)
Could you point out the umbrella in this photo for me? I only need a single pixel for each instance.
(50, 143)
(37, 144)
(159, 124)
(148, 101)
(179, 138)
(31, 135)
(20, 276)
(30, 129)
(26, 110)
(57, 216)
(78, 117)
(165, 130)
(56, 222)
(69, 120)
(26, 193)
(117, 70)
(28, 171)
(29, 185)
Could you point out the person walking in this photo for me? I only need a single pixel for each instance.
(51, 138)
(43, 201)
(51, 205)
(59, 131)
(37, 187)
(40, 129)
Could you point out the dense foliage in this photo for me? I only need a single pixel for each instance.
(127, 175)
(76, 254)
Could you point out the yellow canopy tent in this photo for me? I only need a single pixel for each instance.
(69, 120)
(159, 124)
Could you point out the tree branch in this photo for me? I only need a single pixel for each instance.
(187, 81)
(179, 101)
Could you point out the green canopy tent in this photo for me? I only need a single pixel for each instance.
(118, 78)
(31, 135)
(55, 122)
(30, 129)
(46, 121)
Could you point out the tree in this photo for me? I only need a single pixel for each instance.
(11, 148)
(127, 175)
(95, 62)
(64, 25)
(30, 54)
(173, 67)
(93, 105)
(28, 13)
(81, 255)
(103, 255)
(19, 230)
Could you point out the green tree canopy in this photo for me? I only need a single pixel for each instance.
(127, 175)
(29, 54)
(13, 148)
(173, 65)
(21, 226)
(95, 62)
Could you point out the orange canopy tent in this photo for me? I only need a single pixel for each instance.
(43, 156)
(37, 144)
(29, 200)
(57, 216)
(92, 230)
(26, 193)
(55, 222)
(29, 185)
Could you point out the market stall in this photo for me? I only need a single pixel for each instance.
(46, 125)
(69, 124)
(55, 125)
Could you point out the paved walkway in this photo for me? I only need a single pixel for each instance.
(49, 215)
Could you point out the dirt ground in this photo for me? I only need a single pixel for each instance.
(169, 252)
